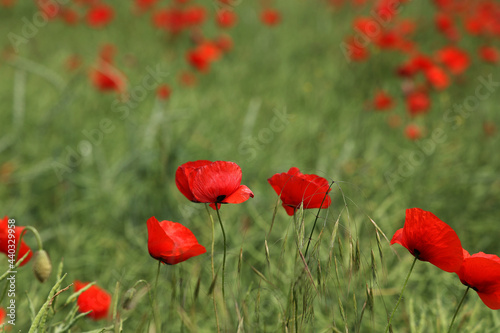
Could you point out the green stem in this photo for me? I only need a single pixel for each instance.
(224, 257)
(317, 216)
(400, 295)
(213, 267)
(458, 308)
(155, 301)
(37, 236)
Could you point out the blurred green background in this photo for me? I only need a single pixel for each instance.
(94, 216)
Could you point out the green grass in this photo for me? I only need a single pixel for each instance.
(94, 219)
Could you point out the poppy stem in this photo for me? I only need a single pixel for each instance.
(155, 301)
(316, 219)
(458, 308)
(213, 267)
(400, 295)
(224, 257)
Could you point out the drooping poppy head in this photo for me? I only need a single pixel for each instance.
(430, 239)
(22, 249)
(481, 272)
(216, 183)
(297, 189)
(171, 242)
(93, 299)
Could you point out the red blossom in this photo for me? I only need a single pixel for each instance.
(413, 132)
(489, 54)
(382, 101)
(428, 238)
(270, 17)
(99, 16)
(171, 242)
(163, 92)
(93, 299)
(4, 241)
(296, 189)
(417, 102)
(456, 60)
(226, 18)
(481, 272)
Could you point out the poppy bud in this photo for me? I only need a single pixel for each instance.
(42, 267)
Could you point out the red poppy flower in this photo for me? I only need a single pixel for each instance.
(203, 55)
(144, 5)
(106, 78)
(481, 272)
(99, 16)
(69, 16)
(454, 59)
(171, 19)
(194, 15)
(437, 77)
(171, 242)
(446, 26)
(354, 50)
(297, 189)
(413, 132)
(382, 101)
(163, 92)
(430, 239)
(270, 17)
(489, 54)
(417, 102)
(226, 18)
(4, 241)
(49, 8)
(212, 182)
(93, 299)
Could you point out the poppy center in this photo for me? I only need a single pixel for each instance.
(220, 198)
(416, 253)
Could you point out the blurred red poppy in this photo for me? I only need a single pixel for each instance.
(428, 238)
(489, 54)
(481, 272)
(413, 132)
(296, 189)
(171, 242)
(5, 241)
(226, 18)
(270, 17)
(224, 43)
(417, 102)
(437, 77)
(99, 16)
(163, 92)
(93, 299)
(106, 78)
(382, 101)
(203, 55)
(354, 50)
(455, 60)
(69, 16)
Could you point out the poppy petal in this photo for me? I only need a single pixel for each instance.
(216, 181)
(182, 174)
(242, 194)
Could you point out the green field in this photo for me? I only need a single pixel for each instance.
(88, 174)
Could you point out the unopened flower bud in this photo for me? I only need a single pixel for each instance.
(42, 267)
